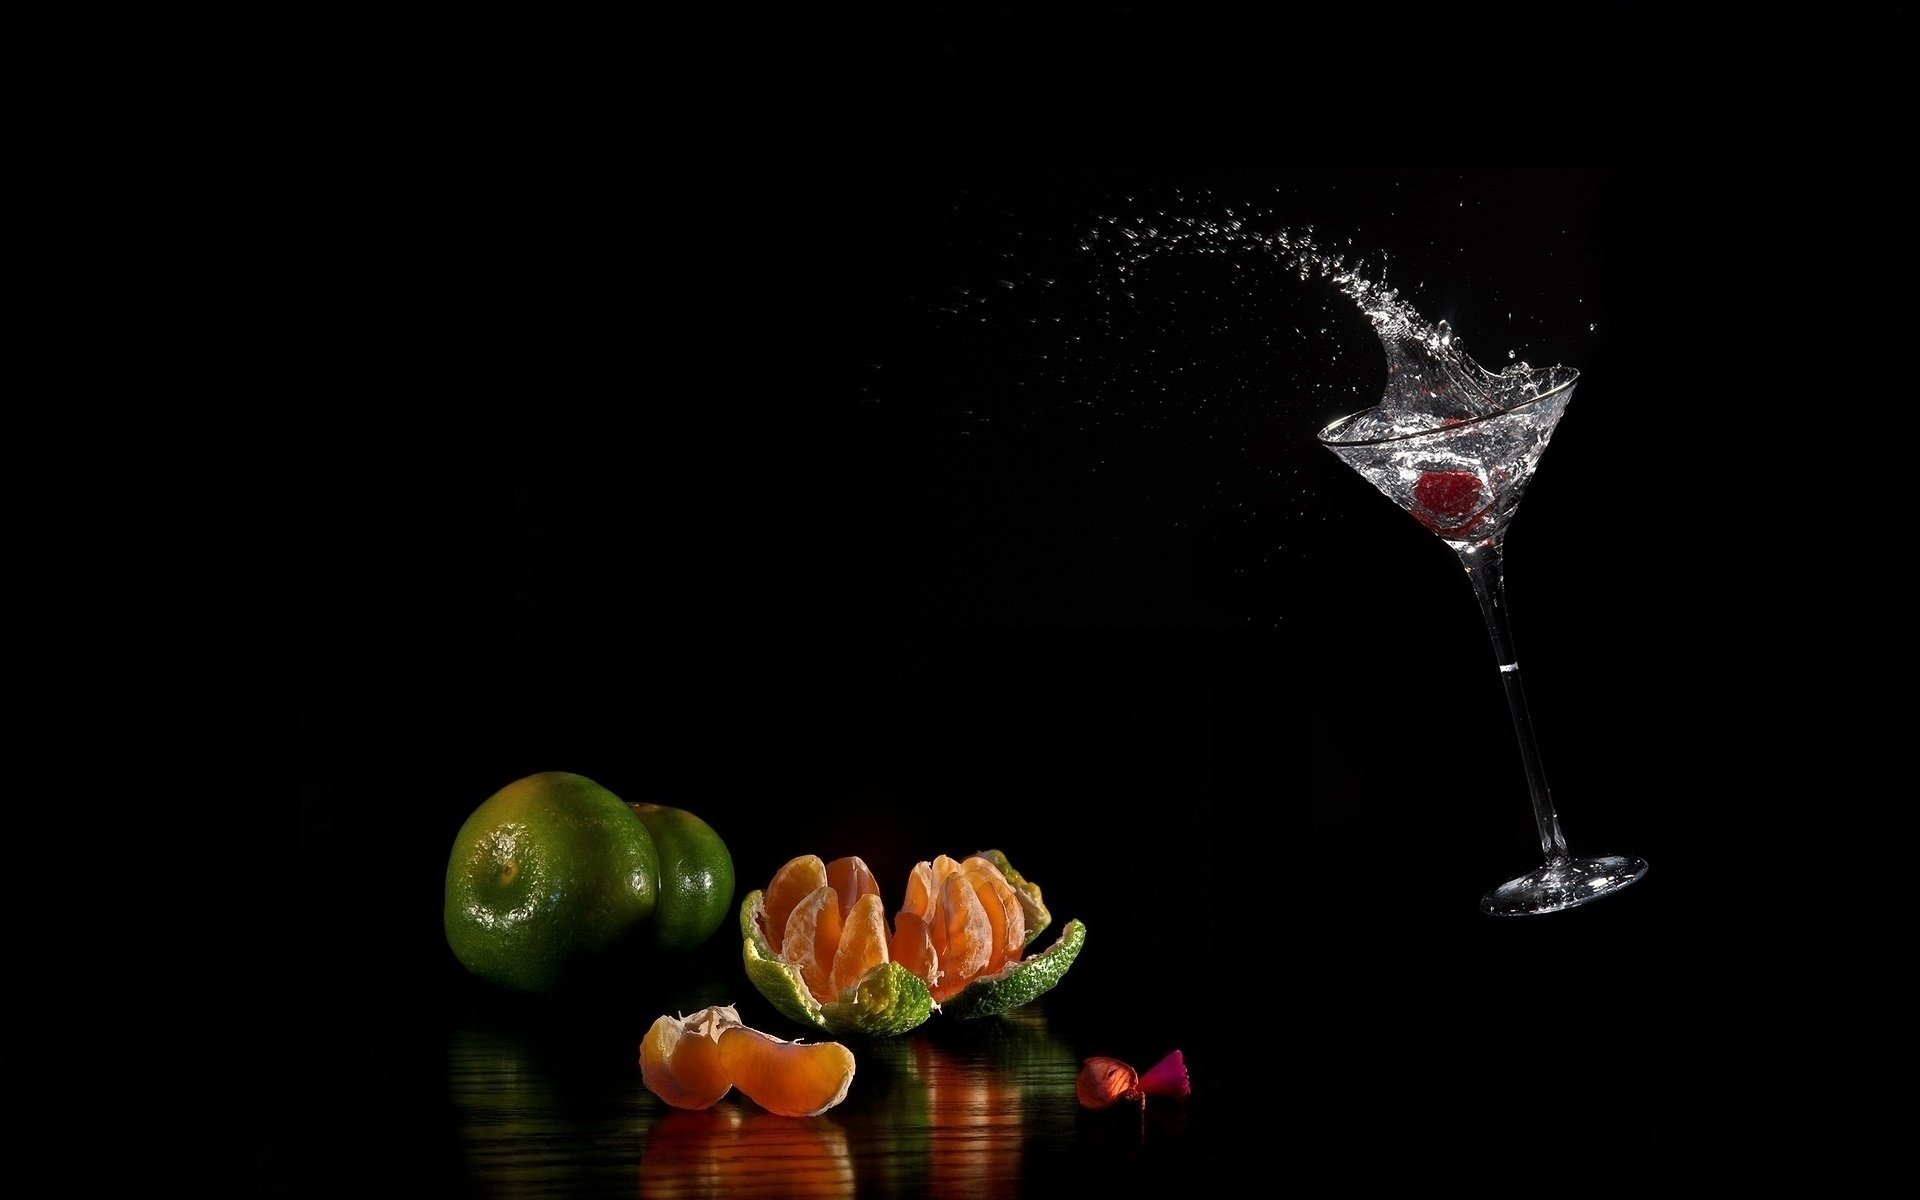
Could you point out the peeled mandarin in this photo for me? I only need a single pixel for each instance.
(824, 957)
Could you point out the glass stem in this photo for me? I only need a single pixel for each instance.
(1483, 565)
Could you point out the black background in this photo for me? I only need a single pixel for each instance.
(1222, 700)
(1363, 779)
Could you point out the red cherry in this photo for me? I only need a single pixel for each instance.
(1449, 502)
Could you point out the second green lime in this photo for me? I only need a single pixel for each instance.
(696, 877)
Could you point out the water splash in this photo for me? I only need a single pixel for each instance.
(1430, 378)
(1153, 362)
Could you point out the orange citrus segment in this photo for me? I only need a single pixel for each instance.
(919, 891)
(923, 886)
(943, 867)
(851, 880)
(1033, 907)
(912, 947)
(791, 884)
(962, 935)
(794, 1079)
(1003, 911)
(680, 1058)
(1017, 983)
(813, 935)
(691, 1062)
(974, 922)
(863, 943)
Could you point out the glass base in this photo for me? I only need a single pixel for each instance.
(1564, 883)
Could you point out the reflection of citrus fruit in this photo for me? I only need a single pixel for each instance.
(730, 1150)
(817, 948)
(696, 877)
(691, 1061)
(551, 872)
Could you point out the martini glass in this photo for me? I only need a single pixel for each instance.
(1459, 470)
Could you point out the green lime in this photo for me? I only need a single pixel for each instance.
(550, 874)
(696, 877)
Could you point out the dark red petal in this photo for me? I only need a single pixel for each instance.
(1167, 1078)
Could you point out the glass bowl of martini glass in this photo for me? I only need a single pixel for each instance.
(1455, 446)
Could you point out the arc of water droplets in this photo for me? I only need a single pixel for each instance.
(1428, 370)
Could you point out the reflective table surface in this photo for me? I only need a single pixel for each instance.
(981, 1109)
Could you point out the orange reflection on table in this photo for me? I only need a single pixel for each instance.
(736, 1150)
(974, 1125)
(960, 1105)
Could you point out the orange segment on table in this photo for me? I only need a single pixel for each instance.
(692, 1062)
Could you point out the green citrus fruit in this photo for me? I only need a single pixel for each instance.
(550, 874)
(696, 877)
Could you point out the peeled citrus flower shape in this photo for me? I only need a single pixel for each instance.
(691, 1062)
(818, 949)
